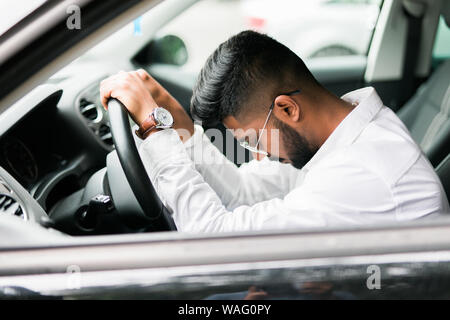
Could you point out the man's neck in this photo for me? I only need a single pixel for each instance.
(332, 112)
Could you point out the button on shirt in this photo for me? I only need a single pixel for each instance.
(369, 170)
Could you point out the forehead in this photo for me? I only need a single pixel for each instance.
(240, 129)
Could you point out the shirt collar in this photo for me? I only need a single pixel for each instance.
(369, 104)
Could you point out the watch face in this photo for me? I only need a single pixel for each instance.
(163, 117)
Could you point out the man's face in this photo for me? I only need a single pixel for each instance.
(297, 148)
(279, 140)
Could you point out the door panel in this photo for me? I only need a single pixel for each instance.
(409, 261)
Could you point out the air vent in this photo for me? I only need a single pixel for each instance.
(89, 110)
(10, 206)
(104, 132)
(96, 119)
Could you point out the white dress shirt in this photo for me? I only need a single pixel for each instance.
(369, 170)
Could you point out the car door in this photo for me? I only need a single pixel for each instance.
(407, 262)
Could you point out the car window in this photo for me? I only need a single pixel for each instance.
(441, 49)
(311, 28)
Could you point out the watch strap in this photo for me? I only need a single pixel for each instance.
(146, 126)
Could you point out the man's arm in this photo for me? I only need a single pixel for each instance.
(340, 190)
(338, 193)
(196, 206)
(251, 183)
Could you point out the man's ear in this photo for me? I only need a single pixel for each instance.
(287, 109)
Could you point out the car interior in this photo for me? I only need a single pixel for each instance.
(59, 166)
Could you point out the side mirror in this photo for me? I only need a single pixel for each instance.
(169, 49)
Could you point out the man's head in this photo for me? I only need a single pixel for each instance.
(246, 76)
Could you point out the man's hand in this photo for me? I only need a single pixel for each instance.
(163, 98)
(129, 89)
(158, 94)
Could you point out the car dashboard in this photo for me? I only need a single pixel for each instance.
(37, 145)
(53, 140)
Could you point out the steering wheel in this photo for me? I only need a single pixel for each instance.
(134, 169)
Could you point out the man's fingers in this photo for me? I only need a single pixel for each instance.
(143, 74)
(120, 80)
(105, 92)
(106, 88)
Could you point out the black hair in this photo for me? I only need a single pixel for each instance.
(247, 64)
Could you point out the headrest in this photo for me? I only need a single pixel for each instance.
(415, 8)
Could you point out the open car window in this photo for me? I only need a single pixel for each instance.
(441, 49)
(338, 31)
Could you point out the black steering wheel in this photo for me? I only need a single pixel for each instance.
(134, 169)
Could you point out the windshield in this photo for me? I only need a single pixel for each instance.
(12, 11)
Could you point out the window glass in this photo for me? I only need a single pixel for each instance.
(311, 28)
(441, 50)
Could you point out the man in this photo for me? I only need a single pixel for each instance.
(346, 160)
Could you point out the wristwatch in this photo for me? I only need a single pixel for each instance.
(160, 118)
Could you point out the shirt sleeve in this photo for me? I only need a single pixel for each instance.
(248, 184)
(195, 205)
(339, 192)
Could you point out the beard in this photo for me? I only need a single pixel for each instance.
(298, 149)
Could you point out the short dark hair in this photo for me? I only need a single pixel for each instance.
(247, 63)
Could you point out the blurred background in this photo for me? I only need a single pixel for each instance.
(311, 28)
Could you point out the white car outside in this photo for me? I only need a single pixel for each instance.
(314, 28)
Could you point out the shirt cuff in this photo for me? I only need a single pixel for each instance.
(161, 148)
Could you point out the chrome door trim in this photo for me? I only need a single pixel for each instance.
(153, 281)
(168, 249)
